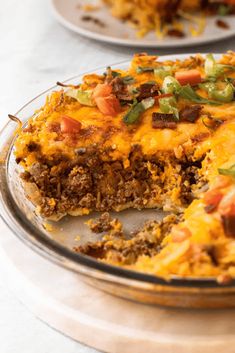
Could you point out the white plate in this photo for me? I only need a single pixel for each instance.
(69, 13)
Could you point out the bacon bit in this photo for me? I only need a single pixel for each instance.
(222, 24)
(180, 234)
(102, 90)
(70, 125)
(190, 113)
(192, 77)
(108, 105)
(147, 90)
(164, 124)
(163, 121)
(120, 90)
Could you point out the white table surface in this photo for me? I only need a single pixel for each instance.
(35, 52)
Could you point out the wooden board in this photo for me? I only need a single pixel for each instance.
(105, 322)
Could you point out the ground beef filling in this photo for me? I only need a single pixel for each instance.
(90, 183)
(118, 247)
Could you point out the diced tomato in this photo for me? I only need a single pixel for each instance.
(213, 198)
(180, 234)
(227, 205)
(102, 90)
(70, 125)
(108, 105)
(106, 102)
(192, 77)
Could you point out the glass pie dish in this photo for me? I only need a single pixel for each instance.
(55, 241)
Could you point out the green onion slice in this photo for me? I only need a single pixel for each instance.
(137, 109)
(128, 80)
(168, 105)
(163, 71)
(225, 95)
(187, 92)
(142, 69)
(171, 85)
(83, 97)
(213, 69)
(227, 171)
(110, 73)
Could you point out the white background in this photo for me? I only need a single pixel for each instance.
(35, 52)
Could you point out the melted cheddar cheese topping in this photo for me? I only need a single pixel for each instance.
(112, 133)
